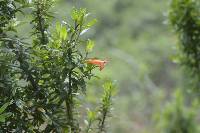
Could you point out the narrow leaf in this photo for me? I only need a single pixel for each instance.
(63, 33)
(90, 45)
(84, 31)
(4, 107)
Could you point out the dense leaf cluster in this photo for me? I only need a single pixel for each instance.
(42, 79)
(185, 17)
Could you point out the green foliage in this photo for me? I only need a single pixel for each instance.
(91, 118)
(90, 45)
(105, 108)
(177, 118)
(97, 120)
(184, 16)
(3, 115)
(41, 19)
(44, 77)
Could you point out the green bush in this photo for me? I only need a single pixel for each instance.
(184, 16)
(44, 76)
(177, 118)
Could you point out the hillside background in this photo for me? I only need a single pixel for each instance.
(140, 45)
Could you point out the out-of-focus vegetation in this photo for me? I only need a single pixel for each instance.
(185, 18)
(141, 46)
(177, 118)
(134, 36)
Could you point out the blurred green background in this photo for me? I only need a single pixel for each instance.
(135, 37)
(139, 44)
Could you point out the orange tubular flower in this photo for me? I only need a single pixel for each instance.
(100, 63)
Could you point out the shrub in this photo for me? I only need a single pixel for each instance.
(176, 117)
(184, 16)
(43, 79)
